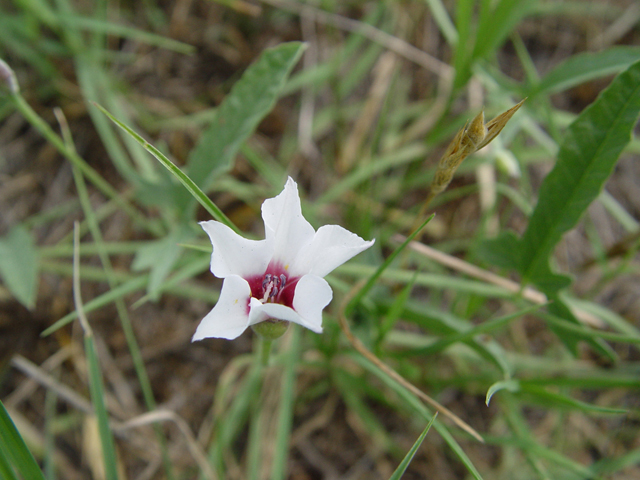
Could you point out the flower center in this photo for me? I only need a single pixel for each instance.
(272, 285)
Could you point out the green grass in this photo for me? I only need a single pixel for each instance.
(163, 118)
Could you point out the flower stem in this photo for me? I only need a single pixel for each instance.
(265, 351)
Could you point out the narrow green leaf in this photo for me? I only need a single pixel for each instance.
(468, 334)
(15, 450)
(285, 411)
(552, 399)
(379, 271)
(97, 399)
(397, 474)
(195, 191)
(509, 385)
(19, 265)
(497, 21)
(587, 66)
(250, 99)
(120, 291)
(6, 470)
(416, 404)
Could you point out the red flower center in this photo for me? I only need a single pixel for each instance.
(275, 286)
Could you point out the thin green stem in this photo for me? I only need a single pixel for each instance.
(265, 351)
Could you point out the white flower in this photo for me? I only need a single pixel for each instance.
(277, 278)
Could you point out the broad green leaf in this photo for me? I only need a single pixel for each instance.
(587, 66)
(14, 449)
(586, 158)
(591, 148)
(250, 99)
(397, 474)
(19, 265)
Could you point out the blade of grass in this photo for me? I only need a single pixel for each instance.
(132, 33)
(123, 314)
(397, 474)
(285, 410)
(14, 450)
(374, 277)
(197, 193)
(89, 172)
(484, 327)
(416, 404)
(95, 376)
(6, 470)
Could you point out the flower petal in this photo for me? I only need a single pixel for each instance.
(230, 317)
(312, 295)
(235, 255)
(331, 246)
(284, 223)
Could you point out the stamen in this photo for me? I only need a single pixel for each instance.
(272, 285)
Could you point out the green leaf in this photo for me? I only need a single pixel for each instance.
(98, 399)
(497, 21)
(509, 385)
(250, 100)
(397, 475)
(189, 184)
(591, 148)
(19, 265)
(6, 470)
(15, 450)
(587, 66)
(552, 399)
(372, 279)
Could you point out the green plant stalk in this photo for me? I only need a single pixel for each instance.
(50, 401)
(285, 412)
(92, 175)
(264, 352)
